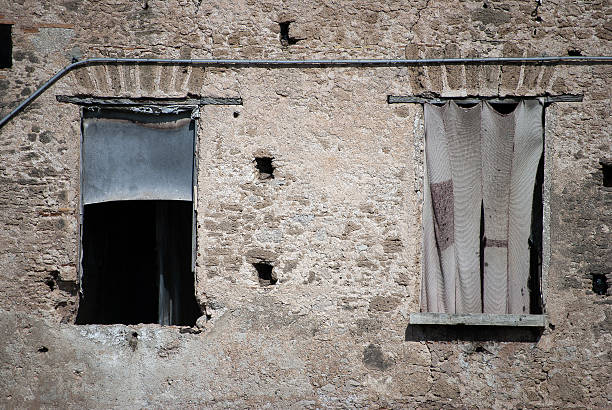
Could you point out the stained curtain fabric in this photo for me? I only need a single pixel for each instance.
(479, 182)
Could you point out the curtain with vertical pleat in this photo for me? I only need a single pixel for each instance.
(478, 190)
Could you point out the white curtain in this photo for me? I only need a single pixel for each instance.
(480, 173)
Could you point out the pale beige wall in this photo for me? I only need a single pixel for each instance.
(341, 220)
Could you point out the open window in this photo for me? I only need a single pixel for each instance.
(482, 213)
(6, 46)
(137, 231)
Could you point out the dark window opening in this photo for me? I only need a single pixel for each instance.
(600, 284)
(606, 168)
(6, 46)
(137, 264)
(504, 108)
(285, 39)
(264, 273)
(535, 243)
(265, 167)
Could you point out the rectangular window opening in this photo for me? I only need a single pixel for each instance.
(137, 264)
(483, 209)
(138, 230)
(6, 46)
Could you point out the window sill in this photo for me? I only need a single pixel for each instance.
(479, 319)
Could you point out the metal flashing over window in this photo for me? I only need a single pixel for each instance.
(87, 100)
(128, 156)
(546, 99)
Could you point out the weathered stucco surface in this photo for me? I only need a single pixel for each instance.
(340, 221)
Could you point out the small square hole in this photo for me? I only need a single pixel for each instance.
(285, 38)
(264, 273)
(265, 167)
(6, 46)
(600, 284)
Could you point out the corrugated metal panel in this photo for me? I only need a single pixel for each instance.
(131, 156)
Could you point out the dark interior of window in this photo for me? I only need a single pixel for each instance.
(137, 264)
(6, 46)
(535, 244)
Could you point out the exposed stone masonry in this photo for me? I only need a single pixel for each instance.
(339, 222)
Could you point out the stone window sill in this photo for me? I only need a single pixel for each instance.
(479, 319)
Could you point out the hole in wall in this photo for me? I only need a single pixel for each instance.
(137, 264)
(606, 169)
(6, 46)
(50, 283)
(265, 168)
(236, 114)
(574, 52)
(485, 6)
(285, 38)
(600, 284)
(43, 349)
(264, 273)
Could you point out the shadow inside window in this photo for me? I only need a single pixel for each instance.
(449, 333)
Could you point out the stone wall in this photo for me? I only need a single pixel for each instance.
(340, 221)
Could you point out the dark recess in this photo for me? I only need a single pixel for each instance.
(574, 52)
(600, 284)
(285, 39)
(449, 333)
(129, 248)
(483, 244)
(606, 168)
(504, 108)
(535, 243)
(6, 46)
(43, 349)
(265, 167)
(264, 273)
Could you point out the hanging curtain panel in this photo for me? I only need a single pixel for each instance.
(480, 174)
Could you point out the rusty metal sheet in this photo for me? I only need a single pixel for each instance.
(135, 156)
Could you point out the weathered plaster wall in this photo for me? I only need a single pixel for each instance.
(340, 222)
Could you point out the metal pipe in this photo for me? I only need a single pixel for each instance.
(231, 63)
